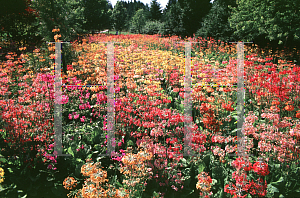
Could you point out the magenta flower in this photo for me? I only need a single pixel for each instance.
(82, 119)
(76, 116)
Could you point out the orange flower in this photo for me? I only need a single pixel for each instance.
(69, 183)
(275, 108)
(298, 114)
(275, 102)
(98, 176)
(228, 106)
(87, 169)
(289, 107)
(89, 191)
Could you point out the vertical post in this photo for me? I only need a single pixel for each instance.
(187, 101)
(110, 99)
(241, 151)
(57, 103)
(240, 99)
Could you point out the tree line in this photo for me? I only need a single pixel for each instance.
(276, 22)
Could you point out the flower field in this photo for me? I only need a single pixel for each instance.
(149, 75)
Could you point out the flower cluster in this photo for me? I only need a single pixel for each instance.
(1, 175)
(69, 183)
(204, 184)
(135, 169)
(244, 186)
(94, 185)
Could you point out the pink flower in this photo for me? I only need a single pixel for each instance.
(117, 90)
(81, 107)
(65, 99)
(51, 146)
(76, 116)
(82, 119)
(70, 116)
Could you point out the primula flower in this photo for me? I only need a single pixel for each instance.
(289, 108)
(69, 183)
(261, 168)
(1, 175)
(65, 99)
(238, 163)
(76, 116)
(82, 119)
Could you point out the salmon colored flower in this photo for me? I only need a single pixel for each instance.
(69, 183)
(297, 114)
(289, 108)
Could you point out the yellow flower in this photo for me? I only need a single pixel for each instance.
(1, 175)
(1, 172)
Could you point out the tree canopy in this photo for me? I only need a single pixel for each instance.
(119, 16)
(273, 20)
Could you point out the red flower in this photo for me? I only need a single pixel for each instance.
(238, 163)
(261, 168)
(227, 107)
(230, 188)
(298, 114)
(289, 107)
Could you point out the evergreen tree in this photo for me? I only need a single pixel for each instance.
(216, 24)
(96, 14)
(155, 11)
(67, 15)
(119, 16)
(170, 2)
(174, 22)
(277, 21)
(138, 21)
(193, 13)
(131, 8)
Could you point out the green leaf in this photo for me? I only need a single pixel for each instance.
(181, 107)
(272, 188)
(70, 151)
(214, 181)
(201, 167)
(277, 165)
(50, 178)
(235, 130)
(236, 117)
(89, 156)
(281, 179)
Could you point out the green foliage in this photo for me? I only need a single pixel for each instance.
(152, 27)
(138, 21)
(17, 22)
(96, 15)
(173, 23)
(216, 23)
(119, 16)
(272, 20)
(67, 15)
(155, 10)
(193, 12)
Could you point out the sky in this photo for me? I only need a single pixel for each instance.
(163, 3)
